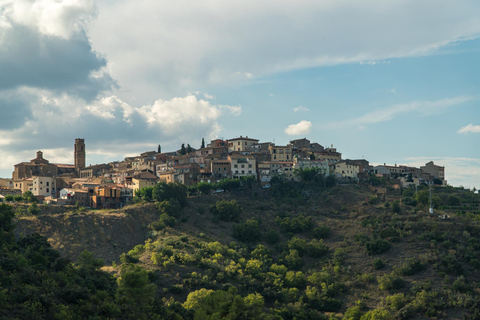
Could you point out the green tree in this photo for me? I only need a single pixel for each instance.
(6, 225)
(29, 197)
(189, 149)
(134, 293)
(226, 210)
(33, 209)
(249, 231)
(203, 143)
(159, 150)
(183, 151)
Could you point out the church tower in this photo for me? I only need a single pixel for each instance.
(79, 154)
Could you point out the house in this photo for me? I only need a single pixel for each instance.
(437, 172)
(241, 144)
(266, 170)
(349, 168)
(106, 197)
(243, 165)
(280, 153)
(300, 163)
(141, 180)
(44, 186)
(72, 196)
(221, 169)
(94, 171)
(329, 154)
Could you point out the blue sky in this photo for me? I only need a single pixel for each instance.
(392, 82)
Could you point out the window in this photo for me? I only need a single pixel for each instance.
(243, 166)
(48, 189)
(249, 165)
(235, 165)
(48, 183)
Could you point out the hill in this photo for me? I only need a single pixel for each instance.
(292, 251)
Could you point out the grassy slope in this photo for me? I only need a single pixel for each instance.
(344, 209)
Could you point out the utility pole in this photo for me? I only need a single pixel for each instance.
(430, 191)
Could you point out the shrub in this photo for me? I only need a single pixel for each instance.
(18, 198)
(170, 207)
(396, 206)
(390, 282)
(300, 223)
(294, 260)
(33, 209)
(321, 231)
(164, 221)
(378, 264)
(316, 248)
(9, 197)
(377, 314)
(412, 266)
(377, 246)
(396, 301)
(339, 257)
(249, 231)
(226, 210)
(300, 245)
(272, 237)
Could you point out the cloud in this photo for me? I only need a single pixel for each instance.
(390, 113)
(43, 45)
(49, 17)
(469, 129)
(300, 108)
(458, 171)
(303, 127)
(221, 42)
(109, 125)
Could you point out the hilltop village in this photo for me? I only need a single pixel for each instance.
(113, 184)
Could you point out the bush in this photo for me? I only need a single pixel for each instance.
(390, 282)
(272, 237)
(170, 207)
(321, 232)
(377, 246)
(396, 206)
(9, 197)
(378, 264)
(249, 231)
(18, 198)
(316, 248)
(226, 210)
(412, 266)
(164, 221)
(33, 209)
(294, 260)
(300, 245)
(300, 223)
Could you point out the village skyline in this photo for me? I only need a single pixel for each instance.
(392, 82)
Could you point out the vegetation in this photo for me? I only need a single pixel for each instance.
(298, 250)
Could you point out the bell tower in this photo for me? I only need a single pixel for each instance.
(79, 154)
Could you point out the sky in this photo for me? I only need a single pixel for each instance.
(394, 82)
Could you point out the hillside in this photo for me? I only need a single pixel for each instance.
(298, 251)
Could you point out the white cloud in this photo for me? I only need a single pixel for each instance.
(222, 41)
(389, 113)
(50, 17)
(469, 129)
(303, 127)
(300, 108)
